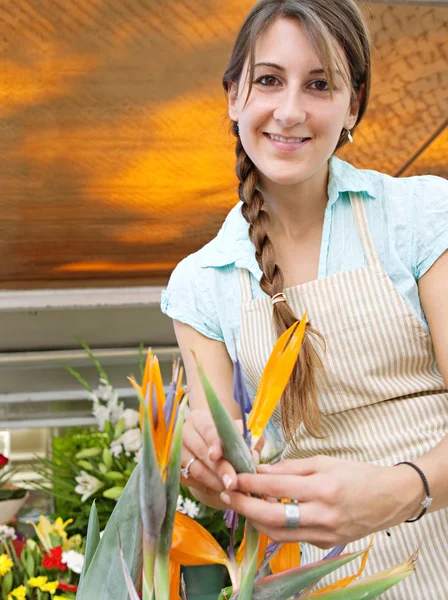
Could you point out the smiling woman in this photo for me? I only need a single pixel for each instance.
(363, 254)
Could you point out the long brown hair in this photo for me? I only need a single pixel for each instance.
(324, 22)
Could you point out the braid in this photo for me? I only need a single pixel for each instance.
(300, 400)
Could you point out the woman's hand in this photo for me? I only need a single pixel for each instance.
(210, 472)
(339, 500)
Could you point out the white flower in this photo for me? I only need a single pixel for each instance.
(131, 418)
(7, 533)
(138, 456)
(116, 448)
(88, 485)
(131, 440)
(180, 504)
(73, 560)
(191, 508)
(101, 414)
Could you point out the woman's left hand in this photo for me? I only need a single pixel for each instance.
(339, 500)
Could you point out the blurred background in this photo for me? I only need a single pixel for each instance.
(116, 162)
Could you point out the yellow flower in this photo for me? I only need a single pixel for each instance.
(46, 528)
(72, 543)
(51, 587)
(5, 564)
(19, 593)
(37, 581)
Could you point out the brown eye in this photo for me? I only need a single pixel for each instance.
(320, 85)
(268, 80)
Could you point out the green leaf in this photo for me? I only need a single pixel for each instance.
(92, 540)
(88, 453)
(127, 575)
(114, 492)
(84, 464)
(104, 579)
(235, 448)
(114, 476)
(94, 359)
(107, 458)
(172, 484)
(250, 563)
(368, 588)
(152, 488)
(288, 583)
(78, 377)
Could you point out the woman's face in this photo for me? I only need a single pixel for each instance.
(290, 125)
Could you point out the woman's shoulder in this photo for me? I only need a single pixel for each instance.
(198, 289)
(419, 188)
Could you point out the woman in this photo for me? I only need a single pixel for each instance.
(365, 255)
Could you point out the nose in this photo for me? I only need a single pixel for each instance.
(290, 109)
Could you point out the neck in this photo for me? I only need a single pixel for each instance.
(296, 208)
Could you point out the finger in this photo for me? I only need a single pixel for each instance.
(278, 486)
(199, 474)
(272, 515)
(227, 474)
(205, 427)
(303, 466)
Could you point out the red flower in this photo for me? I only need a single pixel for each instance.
(18, 547)
(53, 559)
(3, 461)
(67, 587)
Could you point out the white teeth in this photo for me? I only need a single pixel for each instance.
(279, 138)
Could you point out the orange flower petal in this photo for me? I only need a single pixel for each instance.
(193, 545)
(288, 557)
(275, 377)
(342, 583)
(262, 545)
(174, 580)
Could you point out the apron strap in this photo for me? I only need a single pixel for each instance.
(363, 229)
(246, 289)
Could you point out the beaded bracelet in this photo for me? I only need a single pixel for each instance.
(426, 503)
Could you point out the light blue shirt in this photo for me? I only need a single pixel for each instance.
(408, 219)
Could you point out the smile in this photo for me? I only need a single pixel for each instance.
(279, 138)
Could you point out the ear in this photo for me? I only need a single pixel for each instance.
(352, 115)
(232, 96)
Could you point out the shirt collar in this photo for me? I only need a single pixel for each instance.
(232, 244)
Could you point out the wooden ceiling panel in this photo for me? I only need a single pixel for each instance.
(116, 156)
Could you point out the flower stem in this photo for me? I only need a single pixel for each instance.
(162, 577)
(149, 559)
(249, 563)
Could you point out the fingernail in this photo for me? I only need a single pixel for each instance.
(225, 498)
(227, 481)
(211, 450)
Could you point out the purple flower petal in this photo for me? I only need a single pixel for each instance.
(242, 397)
(336, 551)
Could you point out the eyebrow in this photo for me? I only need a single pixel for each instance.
(318, 71)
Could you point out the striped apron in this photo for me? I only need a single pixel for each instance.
(383, 401)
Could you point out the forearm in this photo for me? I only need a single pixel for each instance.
(434, 465)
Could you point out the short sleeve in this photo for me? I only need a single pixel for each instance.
(430, 223)
(189, 298)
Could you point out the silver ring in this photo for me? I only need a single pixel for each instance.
(185, 472)
(292, 514)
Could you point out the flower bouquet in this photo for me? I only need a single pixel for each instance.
(95, 464)
(147, 540)
(39, 570)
